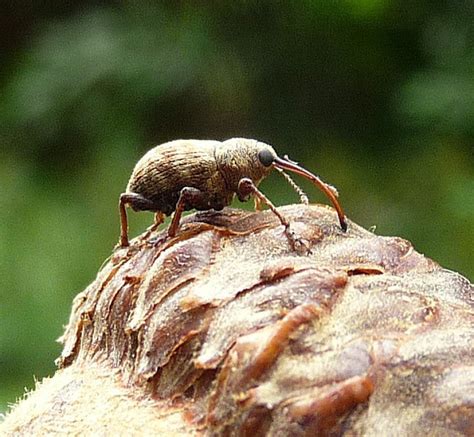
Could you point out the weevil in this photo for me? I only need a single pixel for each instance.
(201, 174)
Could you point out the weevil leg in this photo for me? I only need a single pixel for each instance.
(258, 204)
(158, 220)
(123, 221)
(137, 202)
(246, 188)
(188, 196)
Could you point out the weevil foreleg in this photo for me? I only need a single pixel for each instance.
(258, 204)
(188, 196)
(246, 188)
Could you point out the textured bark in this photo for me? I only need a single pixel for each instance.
(224, 330)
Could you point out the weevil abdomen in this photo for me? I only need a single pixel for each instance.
(165, 170)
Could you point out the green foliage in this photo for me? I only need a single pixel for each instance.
(377, 96)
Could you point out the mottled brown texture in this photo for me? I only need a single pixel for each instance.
(201, 174)
(224, 330)
(214, 168)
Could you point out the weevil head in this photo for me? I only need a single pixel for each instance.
(239, 158)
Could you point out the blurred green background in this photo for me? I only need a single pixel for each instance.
(376, 96)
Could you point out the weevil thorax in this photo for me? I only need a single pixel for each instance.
(238, 158)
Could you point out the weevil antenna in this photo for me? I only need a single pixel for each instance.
(330, 191)
(303, 197)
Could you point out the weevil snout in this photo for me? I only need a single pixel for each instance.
(267, 158)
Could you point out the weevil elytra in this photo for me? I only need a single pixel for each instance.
(200, 174)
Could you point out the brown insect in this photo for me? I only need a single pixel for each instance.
(184, 174)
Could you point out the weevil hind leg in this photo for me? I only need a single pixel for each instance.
(138, 203)
(189, 197)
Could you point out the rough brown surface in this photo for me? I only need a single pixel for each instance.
(224, 330)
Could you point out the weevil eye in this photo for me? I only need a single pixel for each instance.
(266, 157)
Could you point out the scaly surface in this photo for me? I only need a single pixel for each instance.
(361, 336)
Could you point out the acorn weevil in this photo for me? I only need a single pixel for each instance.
(184, 174)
